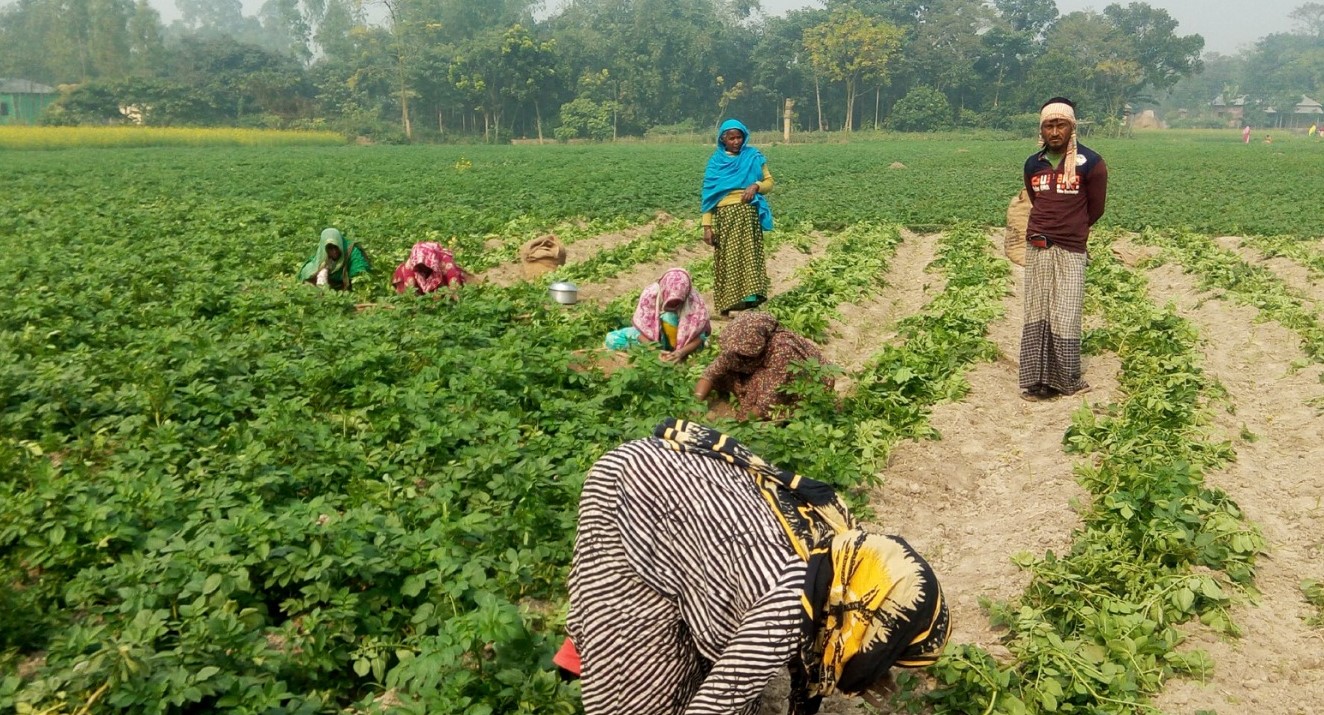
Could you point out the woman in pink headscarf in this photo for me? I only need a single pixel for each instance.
(670, 314)
(428, 268)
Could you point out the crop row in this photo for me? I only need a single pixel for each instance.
(1256, 286)
(1097, 629)
(1305, 252)
(392, 196)
(853, 267)
(519, 230)
(662, 242)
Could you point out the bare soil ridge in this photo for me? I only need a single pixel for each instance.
(865, 327)
(1278, 664)
(507, 274)
(997, 483)
(1296, 276)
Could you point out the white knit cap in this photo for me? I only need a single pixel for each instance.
(1062, 110)
(1057, 110)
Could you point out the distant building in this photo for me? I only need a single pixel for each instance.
(1303, 112)
(1232, 111)
(1308, 109)
(1147, 119)
(22, 101)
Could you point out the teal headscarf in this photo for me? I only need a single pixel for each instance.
(727, 173)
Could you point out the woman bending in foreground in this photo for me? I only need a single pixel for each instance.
(700, 571)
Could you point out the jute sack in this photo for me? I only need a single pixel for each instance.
(1018, 219)
(541, 255)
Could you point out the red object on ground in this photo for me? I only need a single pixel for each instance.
(568, 657)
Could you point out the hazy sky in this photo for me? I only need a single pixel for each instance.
(1227, 25)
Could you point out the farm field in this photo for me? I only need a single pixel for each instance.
(220, 490)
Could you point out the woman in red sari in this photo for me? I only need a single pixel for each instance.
(429, 267)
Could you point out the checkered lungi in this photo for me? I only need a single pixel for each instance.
(1050, 340)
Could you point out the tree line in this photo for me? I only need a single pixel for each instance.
(1273, 74)
(497, 69)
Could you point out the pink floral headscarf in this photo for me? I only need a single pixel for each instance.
(432, 255)
(675, 286)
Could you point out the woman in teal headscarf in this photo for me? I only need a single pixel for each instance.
(335, 263)
(735, 215)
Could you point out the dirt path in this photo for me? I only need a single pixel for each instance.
(865, 327)
(1296, 276)
(1277, 666)
(634, 279)
(997, 483)
(508, 274)
(782, 267)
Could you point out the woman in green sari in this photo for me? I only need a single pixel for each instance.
(337, 261)
(735, 216)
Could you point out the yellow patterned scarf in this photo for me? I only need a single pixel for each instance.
(884, 607)
(870, 601)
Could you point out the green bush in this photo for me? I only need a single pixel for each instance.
(924, 109)
(1198, 123)
(583, 117)
(671, 130)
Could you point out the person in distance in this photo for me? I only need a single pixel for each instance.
(735, 215)
(430, 267)
(335, 263)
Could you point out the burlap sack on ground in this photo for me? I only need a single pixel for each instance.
(541, 255)
(1018, 218)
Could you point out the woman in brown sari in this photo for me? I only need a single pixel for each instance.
(754, 364)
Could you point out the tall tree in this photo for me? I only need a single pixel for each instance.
(146, 49)
(1110, 59)
(661, 55)
(212, 18)
(1309, 18)
(57, 41)
(781, 67)
(852, 48)
(1282, 67)
(289, 22)
(1005, 54)
(1150, 35)
(942, 50)
(497, 67)
(1029, 16)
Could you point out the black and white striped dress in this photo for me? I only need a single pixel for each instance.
(685, 592)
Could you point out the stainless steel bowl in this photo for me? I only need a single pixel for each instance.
(564, 293)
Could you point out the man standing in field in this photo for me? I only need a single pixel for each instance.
(1068, 186)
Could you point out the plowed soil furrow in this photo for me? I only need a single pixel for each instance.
(865, 327)
(1277, 666)
(509, 273)
(783, 265)
(996, 484)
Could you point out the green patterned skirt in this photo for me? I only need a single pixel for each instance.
(739, 267)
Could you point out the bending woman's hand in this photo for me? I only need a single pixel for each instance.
(702, 389)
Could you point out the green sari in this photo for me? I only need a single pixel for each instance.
(353, 260)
